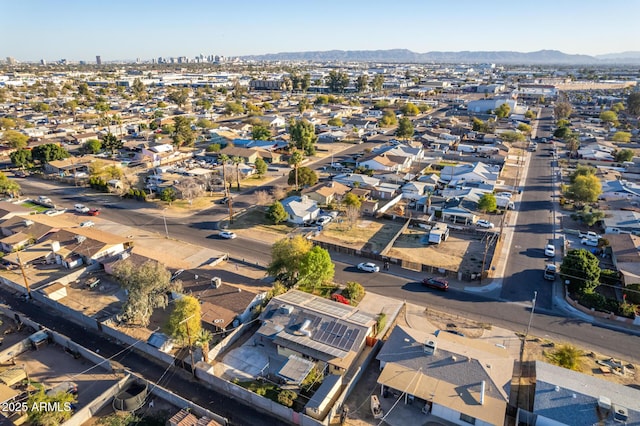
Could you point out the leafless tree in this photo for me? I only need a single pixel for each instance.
(352, 214)
(190, 188)
(279, 193)
(263, 198)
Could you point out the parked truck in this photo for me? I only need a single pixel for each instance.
(439, 233)
(504, 203)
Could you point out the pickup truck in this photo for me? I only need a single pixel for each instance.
(589, 235)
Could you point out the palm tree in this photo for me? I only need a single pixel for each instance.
(295, 160)
(224, 159)
(237, 161)
(202, 339)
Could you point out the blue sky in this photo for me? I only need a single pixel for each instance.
(117, 29)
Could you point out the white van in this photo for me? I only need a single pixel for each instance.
(81, 208)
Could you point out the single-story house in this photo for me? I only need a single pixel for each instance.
(300, 210)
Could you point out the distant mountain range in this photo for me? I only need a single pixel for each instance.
(549, 57)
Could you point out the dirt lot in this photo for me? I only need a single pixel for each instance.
(367, 234)
(458, 253)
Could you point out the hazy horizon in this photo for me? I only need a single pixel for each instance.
(118, 30)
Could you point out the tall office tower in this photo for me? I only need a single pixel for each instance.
(11, 61)
(98, 60)
(43, 62)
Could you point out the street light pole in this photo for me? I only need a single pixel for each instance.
(164, 219)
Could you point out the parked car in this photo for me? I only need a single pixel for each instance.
(436, 282)
(485, 224)
(550, 250)
(54, 212)
(93, 212)
(87, 224)
(81, 208)
(340, 298)
(368, 267)
(589, 242)
(323, 220)
(228, 235)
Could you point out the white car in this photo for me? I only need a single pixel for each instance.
(550, 250)
(323, 220)
(54, 212)
(228, 235)
(504, 194)
(589, 242)
(368, 267)
(87, 224)
(485, 224)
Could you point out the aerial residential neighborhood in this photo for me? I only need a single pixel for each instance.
(330, 237)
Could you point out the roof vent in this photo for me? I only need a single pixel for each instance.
(286, 309)
(28, 222)
(430, 347)
(603, 402)
(620, 414)
(216, 282)
(453, 358)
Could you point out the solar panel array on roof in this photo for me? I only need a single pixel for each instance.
(336, 334)
(360, 318)
(334, 309)
(295, 297)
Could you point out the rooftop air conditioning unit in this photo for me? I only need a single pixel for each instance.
(80, 238)
(430, 347)
(28, 222)
(216, 282)
(286, 309)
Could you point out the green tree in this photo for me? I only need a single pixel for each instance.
(562, 132)
(41, 417)
(586, 189)
(378, 83)
(609, 117)
(624, 155)
(480, 126)
(214, 147)
(624, 137)
(168, 195)
(572, 143)
(286, 258)
(335, 121)
(15, 139)
(530, 114)
(352, 200)
(204, 123)
(632, 293)
(92, 146)
(179, 97)
(232, 108)
(139, 89)
(381, 104)
(40, 107)
(183, 135)
(21, 158)
(49, 152)
(337, 81)
(582, 269)
(410, 109)
(562, 110)
(148, 286)
(582, 170)
(277, 213)
(261, 167)
(261, 132)
(503, 110)
(203, 338)
(306, 177)
(388, 119)
(286, 397)
(512, 136)
(567, 356)
(617, 107)
(362, 83)
(83, 89)
(316, 268)
(111, 143)
(524, 128)
(7, 123)
(185, 319)
(8, 186)
(353, 291)
(487, 203)
(633, 103)
(405, 128)
(303, 136)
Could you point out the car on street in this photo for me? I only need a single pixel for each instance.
(436, 282)
(550, 250)
(81, 208)
(87, 224)
(93, 212)
(368, 267)
(589, 242)
(485, 224)
(228, 235)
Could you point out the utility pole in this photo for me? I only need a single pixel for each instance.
(24, 276)
(230, 201)
(484, 258)
(193, 365)
(164, 219)
(526, 333)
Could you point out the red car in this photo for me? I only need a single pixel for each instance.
(437, 283)
(340, 298)
(93, 212)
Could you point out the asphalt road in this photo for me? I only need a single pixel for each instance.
(173, 378)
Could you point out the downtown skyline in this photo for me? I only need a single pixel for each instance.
(78, 31)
